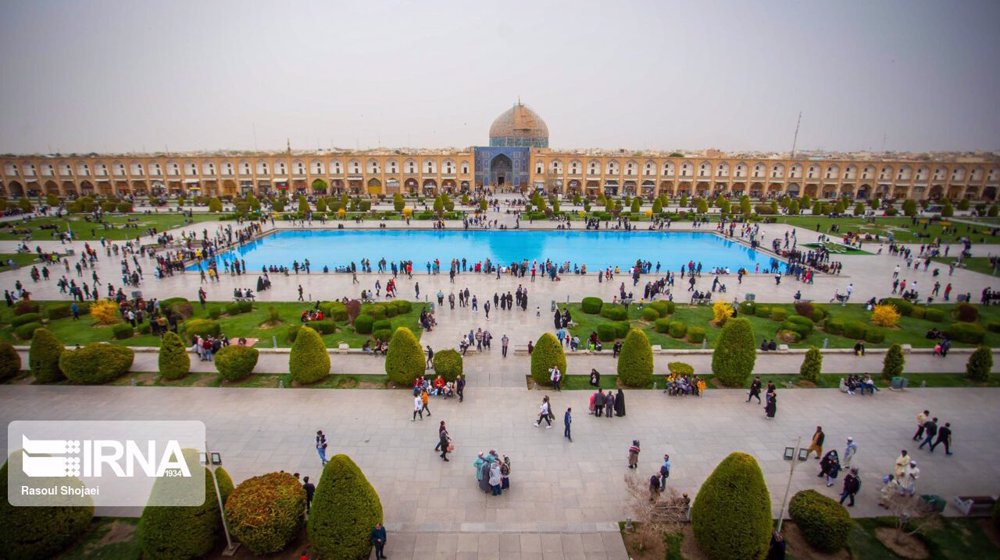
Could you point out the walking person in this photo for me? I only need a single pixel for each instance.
(310, 489)
(460, 387)
(664, 471)
(444, 441)
(849, 452)
(755, 387)
(430, 357)
(425, 399)
(378, 539)
(321, 446)
(503, 344)
(567, 422)
(921, 419)
(852, 485)
(943, 436)
(544, 413)
(817, 443)
(633, 454)
(930, 430)
(654, 484)
(418, 407)
(830, 467)
(300, 293)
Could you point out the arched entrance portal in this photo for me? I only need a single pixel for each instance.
(501, 171)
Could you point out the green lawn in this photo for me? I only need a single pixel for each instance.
(257, 381)
(114, 229)
(910, 331)
(955, 539)
(20, 259)
(975, 264)
(247, 325)
(902, 228)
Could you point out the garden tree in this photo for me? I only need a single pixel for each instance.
(993, 210)
(806, 201)
(555, 206)
(398, 203)
(265, 512)
(321, 204)
(963, 204)
(909, 207)
(637, 205)
(438, 205)
(41, 532)
(819, 208)
(812, 365)
(911, 515)
(653, 519)
(182, 532)
(52, 199)
(840, 207)
(253, 202)
(875, 203)
(484, 205)
(344, 509)
(774, 207)
(745, 207)
(174, 360)
(784, 201)
(947, 210)
(609, 205)
(720, 200)
(793, 207)
(980, 364)
(25, 204)
(215, 205)
(824, 523)
(449, 204)
(404, 361)
(635, 362)
(303, 205)
(892, 365)
(308, 361)
(547, 353)
(684, 201)
(43, 357)
(279, 204)
(859, 209)
(731, 516)
(702, 206)
(448, 364)
(735, 353)
(10, 361)
(319, 186)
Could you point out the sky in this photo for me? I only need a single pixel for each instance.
(140, 76)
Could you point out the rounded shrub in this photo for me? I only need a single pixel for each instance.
(547, 353)
(680, 368)
(448, 363)
(805, 309)
(650, 314)
(404, 360)
(825, 524)
(344, 509)
(904, 307)
(621, 328)
(893, 363)
(364, 324)
(40, 532)
(662, 325)
(200, 327)
(43, 357)
(663, 307)
(834, 326)
(10, 361)
(615, 312)
(678, 329)
(235, 363)
(382, 324)
(122, 331)
(96, 363)
(970, 333)
(762, 311)
(403, 306)
(19, 320)
(798, 324)
(696, 335)
(778, 314)
(336, 310)
(606, 332)
(377, 311)
(174, 360)
(735, 353)
(874, 335)
(27, 331)
(812, 365)
(591, 305)
(635, 362)
(308, 361)
(967, 313)
(980, 364)
(182, 532)
(819, 314)
(265, 512)
(731, 516)
(323, 327)
(855, 329)
(383, 335)
(935, 315)
(747, 308)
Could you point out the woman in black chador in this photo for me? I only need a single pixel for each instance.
(620, 403)
(772, 405)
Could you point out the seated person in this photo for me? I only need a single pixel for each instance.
(439, 384)
(798, 295)
(593, 338)
(763, 345)
(859, 348)
(868, 384)
(237, 294)
(772, 346)
(933, 334)
(574, 344)
(367, 347)
(595, 378)
(597, 346)
(449, 390)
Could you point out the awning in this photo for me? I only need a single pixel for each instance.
(280, 179)
(191, 181)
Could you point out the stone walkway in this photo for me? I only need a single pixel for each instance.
(564, 495)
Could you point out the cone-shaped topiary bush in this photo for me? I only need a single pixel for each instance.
(980, 364)
(824, 523)
(344, 509)
(735, 353)
(174, 360)
(10, 362)
(892, 365)
(731, 516)
(404, 361)
(265, 512)
(547, 353)
(635, 363)
(96, 363)
(812, 365)
(448, 363)
(308, 361)
(40, 533)
(43, 357)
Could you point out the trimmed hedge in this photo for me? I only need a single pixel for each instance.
(649, 314)
(824, 523)
(308, 361)
(748, 308)
(855, 329)
(60, 312)
(735, 353)
(404, 360)
(40, 533)
(591, 305)
(615, 312)
(834, 326)
(696, 335)
(265, 512)
(96, 363)
(635, 362)
(680, 368)
(239, 307)
(323, 327)
(779, 314)
(547, 353)
(344, 509)
(26, 331)
(235, 363)
(904, 307)
(200, 327)
(174, 360)
(606, 332)
(381, 325)
(43, 357)
(336, 310)
(935, 315)
(970, 333)
(10, 361)
(678, 329)
(874, 335)
(967, 313)
(762, 311)
(364, 324)
(731, 516)
(25, 307)
(19, 320)
(663, 325)
(448, 363)
(122, 331)
(663, 307)
(992, 326)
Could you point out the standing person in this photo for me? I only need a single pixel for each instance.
(777, 549)
(544, 413)
(654, 484)
(755, 387)
(921, 418)
(609, 404)
(503, 344)
(310, 489)
(849, 452)
(418, 407)
(460, 387)
(664, 471)
(943, 436)
(852, 485)
(620, 403)
(567, 421)
(555, 376)
(910, 479)
(599, 403)
(930, 430)
(772, 405)
(430, 357)
(378, 539)
(444, 441)
(830, 467)
(495, 478)
(321, 446)
(425, 399)
(633, 454)
(300, 293)
(817, 443)
(900, 467)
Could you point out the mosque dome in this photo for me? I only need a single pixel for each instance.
(521, 127)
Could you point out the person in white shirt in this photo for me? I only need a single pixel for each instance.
(544, 413)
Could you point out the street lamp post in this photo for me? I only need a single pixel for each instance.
(791, 454)
(212, 460)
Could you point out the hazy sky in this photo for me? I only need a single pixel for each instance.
(81, 76)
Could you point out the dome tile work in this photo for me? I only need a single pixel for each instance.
(521, 127)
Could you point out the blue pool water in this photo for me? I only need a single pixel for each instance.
(596, 249)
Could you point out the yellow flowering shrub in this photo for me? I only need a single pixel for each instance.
(885, 316)
(721, 312)
(105, 312)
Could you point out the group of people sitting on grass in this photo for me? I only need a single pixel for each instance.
(436, 388)
(858, 383)
(427, 320)
(683, 384)
(241, 295)
(311, 315)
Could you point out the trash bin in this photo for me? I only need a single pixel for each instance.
(750, 297)
(937, 503)
(898, 383)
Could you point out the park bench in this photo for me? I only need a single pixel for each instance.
(975, 506)
(701, 301)
(520, 349)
